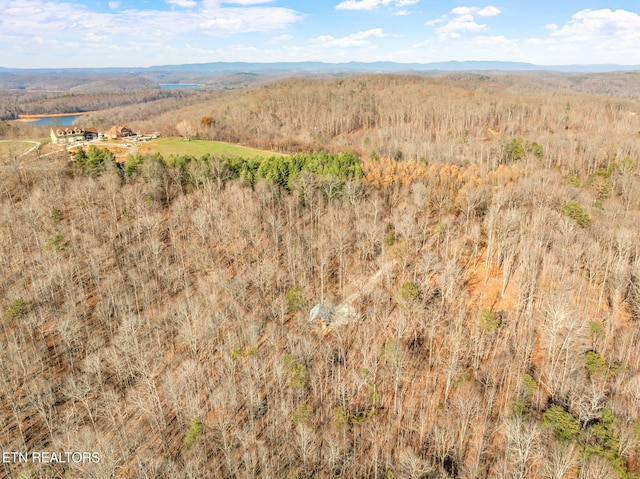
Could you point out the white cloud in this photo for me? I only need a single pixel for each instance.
(359, 5)
(540, 41)
(24, 9)
(70, 20)
(282, 38)
(605, 23)
(588, 37)
(609, 36)
(424, 43)
(437, 21)
(247, 2)
(93, 38)
(149, 34)
(461, 11)
(360, 39)
(488, 11)
(372, 4)
(114, 5)
(463, 21)
(243, 20)
(182, 3)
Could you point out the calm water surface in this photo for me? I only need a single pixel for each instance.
(56, 120)
(172, 86)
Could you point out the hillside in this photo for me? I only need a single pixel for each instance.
(481, 262)
(456, 117)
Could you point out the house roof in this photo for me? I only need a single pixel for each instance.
(67, 131)
(118, 130)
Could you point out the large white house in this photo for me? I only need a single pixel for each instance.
(61, 135)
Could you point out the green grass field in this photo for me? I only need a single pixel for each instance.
(198, 148)
(10, 148)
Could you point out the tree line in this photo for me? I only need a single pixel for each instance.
(190, 171)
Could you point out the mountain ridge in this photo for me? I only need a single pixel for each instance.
(325, 67)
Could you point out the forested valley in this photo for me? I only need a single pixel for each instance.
(475, 239)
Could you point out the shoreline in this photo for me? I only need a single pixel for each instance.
(36, 117)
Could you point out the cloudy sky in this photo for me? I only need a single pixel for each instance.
(101, 33)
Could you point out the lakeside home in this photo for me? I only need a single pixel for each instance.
(119, 132)
(69, 135)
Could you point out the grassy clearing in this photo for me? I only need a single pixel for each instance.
(198, 148)
(9, 148)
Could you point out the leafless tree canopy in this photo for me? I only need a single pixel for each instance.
(484, 279)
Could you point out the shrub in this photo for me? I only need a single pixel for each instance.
(519, 406)
(17, 309)
(517, 148)
(340, 417)
(56, 216)
(595, 364)
(132, 163)
(514, 150)
(390, 239)
(409, 291)
(93, 161)
(193, 434)
(627, 165)
(294, 299)
(574, 181)
(520, 402)
(238, 353)
(298, 371)
(605, 443)
(489, 321)
(56, 242)
(596, 331)
(574, 210)
(536, 149)
(302, 414)
(565, 427)
(528, 384)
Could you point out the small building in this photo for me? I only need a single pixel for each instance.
(119, 132)
(62, 135)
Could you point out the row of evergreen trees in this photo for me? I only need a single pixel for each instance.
(192, 171)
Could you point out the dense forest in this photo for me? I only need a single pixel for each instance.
(475, 252)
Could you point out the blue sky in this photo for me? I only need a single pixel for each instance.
(127, 33)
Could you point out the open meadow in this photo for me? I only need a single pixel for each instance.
(198, 148)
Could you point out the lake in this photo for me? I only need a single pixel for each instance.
(172, 86)
(66, 120)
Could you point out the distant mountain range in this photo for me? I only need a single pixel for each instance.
(330, 68)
